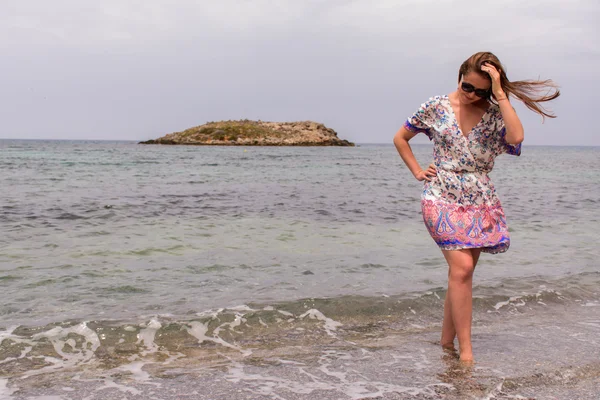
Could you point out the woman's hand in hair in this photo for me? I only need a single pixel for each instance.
(496, 84)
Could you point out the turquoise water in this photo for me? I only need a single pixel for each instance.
(122, 230)
(137, 236)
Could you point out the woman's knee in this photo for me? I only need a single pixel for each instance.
(461, 265)
(461, 272)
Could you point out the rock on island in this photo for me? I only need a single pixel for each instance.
(255, 133)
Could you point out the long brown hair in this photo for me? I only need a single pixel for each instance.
(527, 91)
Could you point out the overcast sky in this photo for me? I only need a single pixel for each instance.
(138, 69)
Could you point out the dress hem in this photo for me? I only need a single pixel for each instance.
(493, 249)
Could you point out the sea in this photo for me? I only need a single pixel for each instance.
(133, 271)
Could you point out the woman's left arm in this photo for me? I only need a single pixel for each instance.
(514, 129)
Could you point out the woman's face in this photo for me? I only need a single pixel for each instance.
(476, 81)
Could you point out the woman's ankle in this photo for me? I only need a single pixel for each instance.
(466, 355)
(448, 345)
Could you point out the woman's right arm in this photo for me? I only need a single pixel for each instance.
(401, 142)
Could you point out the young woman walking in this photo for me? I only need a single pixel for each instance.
(469, 128)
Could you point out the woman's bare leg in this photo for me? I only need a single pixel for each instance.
(458, 304)
(448, 330)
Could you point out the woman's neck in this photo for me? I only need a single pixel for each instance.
(481, 104)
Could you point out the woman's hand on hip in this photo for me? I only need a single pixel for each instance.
(426, 175)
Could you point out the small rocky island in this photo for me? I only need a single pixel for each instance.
(255, 133)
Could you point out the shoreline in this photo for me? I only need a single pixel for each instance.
(536, 349)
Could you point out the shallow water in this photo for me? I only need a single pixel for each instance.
(122, 263)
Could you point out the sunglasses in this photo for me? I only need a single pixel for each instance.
(468, 88)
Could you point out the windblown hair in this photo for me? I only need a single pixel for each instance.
(530, 92)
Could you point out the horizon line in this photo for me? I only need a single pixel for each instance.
(356, 143)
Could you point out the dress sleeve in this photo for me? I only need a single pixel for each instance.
(503, 145)
(423, 119)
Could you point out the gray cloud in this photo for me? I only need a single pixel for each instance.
(140, 69)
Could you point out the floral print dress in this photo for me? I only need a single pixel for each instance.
(460, 206)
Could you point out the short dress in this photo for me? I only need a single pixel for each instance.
(460, 207)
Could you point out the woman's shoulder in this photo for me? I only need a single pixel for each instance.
(438, 98)
(435, 101)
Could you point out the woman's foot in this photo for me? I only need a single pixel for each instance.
(466, 358)
(449, 347)
(450, 351)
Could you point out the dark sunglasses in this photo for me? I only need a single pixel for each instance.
(467, 87)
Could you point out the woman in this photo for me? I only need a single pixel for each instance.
(469, 128)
